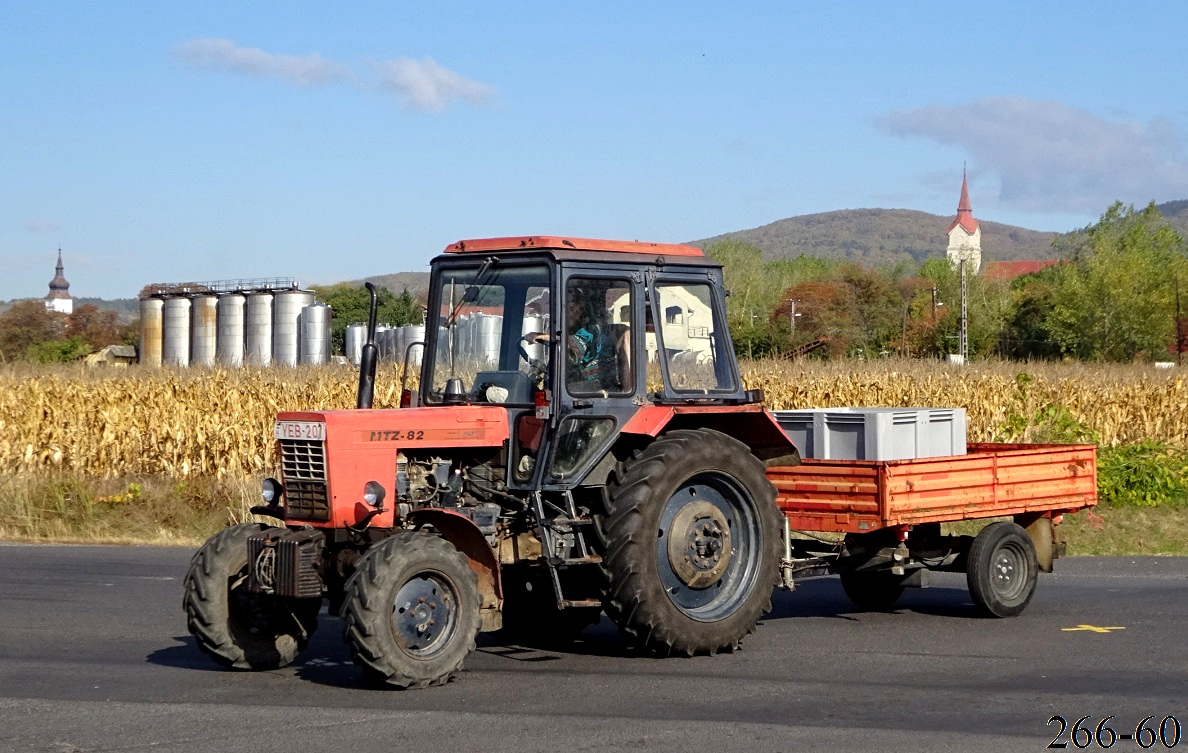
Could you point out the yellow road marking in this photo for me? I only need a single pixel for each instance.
(1091, 628)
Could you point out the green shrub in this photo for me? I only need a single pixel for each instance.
(1147, 473)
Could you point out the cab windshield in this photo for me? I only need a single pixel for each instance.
(491, 334)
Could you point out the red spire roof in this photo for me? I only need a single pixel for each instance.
(965, 216)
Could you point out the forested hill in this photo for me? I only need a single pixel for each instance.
(874, 237)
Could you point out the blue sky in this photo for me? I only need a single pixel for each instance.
(160, 142)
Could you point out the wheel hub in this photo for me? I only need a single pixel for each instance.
(423, 615)
(699, 546)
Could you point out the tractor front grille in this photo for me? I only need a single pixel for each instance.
(303, 472)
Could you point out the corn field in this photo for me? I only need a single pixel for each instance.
(216, 423)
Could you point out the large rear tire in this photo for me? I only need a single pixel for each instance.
(692, 544)
(235, 627)
(1001, 570)
(412, 611)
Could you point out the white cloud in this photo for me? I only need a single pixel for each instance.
(1053, 157)
(425, 85)
(223, 54)
(36, 225)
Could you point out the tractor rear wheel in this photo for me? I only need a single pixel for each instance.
(412, 611)
(692, 543)
(236, 627)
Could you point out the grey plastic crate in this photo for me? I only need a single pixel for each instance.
(875, 433)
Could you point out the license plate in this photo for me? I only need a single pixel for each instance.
(312, 430)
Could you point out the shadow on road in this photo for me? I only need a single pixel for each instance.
(327, 661)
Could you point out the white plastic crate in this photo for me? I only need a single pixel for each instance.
(875, 433)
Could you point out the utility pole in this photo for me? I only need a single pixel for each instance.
(1179, 327)
(963, 341)
(792, 313)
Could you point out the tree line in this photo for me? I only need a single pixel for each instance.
(1114, 295)
(1119, 292)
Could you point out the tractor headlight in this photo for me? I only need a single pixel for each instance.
(271, 490)
(373, 494)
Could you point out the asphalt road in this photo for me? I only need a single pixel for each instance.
(95, 656)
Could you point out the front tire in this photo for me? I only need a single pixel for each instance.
(238, 628)
(1001, 570)
(412, 611)
(692, 544)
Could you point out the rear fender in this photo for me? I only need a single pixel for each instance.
(749, 424)
(466, 537)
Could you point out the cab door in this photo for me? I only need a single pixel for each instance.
(600, 368)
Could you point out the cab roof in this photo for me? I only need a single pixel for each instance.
(541, 242)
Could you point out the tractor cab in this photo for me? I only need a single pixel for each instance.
(573, 337)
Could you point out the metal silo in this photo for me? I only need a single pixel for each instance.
(383, 343)
(313, 334)
(352, 342)
(413, 333)
(487, 331)
(175, 332)
(538, 324)
(229, 341)
(150, 331)
(257, 329)
(203, 330)
(398, 341)
(286, 308)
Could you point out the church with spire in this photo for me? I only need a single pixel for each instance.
(59, 291)
(965, 235)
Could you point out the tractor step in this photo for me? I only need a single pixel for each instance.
(565, 522)
(581, 603)
(589, 559)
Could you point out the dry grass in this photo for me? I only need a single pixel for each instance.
(74, 508)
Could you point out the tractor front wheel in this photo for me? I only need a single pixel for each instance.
(412, 611)
(236, 627)
(692, 543)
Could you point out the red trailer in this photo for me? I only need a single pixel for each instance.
(878, 523)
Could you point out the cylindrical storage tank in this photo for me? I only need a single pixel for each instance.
(175, 332)
(352, 342)
(413, 333)
(538, 324)
(391, 343)
(398, 345)
(229, 341)
(150, 331)
(203, 329)
(286, 308)
(487, 331)
(257, 329)
(383, 346)
(313, 334)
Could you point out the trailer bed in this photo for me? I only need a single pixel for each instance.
(991, 480)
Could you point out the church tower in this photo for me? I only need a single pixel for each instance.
(59, 291)
(965, 236)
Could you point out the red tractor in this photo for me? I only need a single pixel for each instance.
(580, 441)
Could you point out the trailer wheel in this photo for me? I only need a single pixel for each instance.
(412, 611)
(1001, 570)
(692, 543)
(235, 627)
(874, 592)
